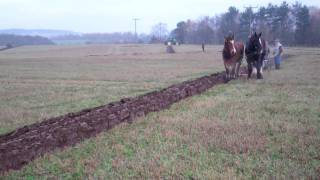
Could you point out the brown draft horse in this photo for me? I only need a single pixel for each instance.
(232, 54)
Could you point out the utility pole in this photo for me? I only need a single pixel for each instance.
(160, 32)
(251, 18)
(135, 28)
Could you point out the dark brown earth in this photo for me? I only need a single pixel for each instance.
(21, 146)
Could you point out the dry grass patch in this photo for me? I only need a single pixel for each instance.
(235, 137)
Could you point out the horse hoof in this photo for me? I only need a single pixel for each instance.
(225, 79)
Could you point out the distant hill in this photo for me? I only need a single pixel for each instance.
(10, 40)
(49, 33)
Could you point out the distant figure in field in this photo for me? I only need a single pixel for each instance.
(202, 45)
(170, 49)
(278, 50)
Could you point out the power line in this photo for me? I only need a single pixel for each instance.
(161, 29)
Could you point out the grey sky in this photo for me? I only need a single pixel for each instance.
(113, 15)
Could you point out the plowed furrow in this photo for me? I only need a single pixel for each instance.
(25, 144)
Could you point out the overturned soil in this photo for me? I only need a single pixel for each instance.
(21, 146)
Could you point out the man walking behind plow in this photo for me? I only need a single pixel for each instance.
(278, 50)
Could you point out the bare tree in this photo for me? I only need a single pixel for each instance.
(160, 32)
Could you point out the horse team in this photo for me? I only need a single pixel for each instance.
(255, 50)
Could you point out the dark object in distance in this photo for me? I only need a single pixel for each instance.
(170, 49)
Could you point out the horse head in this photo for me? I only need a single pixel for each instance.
(229, 45)
(255, 44)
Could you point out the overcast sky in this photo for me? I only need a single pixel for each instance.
(113, 15)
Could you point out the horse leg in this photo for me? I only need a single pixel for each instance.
(227, 72)
(249, 70)
(232, 71)
(259, 73)
(238, 69)
(235, 70)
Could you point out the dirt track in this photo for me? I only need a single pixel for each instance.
(21, 146)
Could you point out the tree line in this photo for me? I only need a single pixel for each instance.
(294, 24)
(10, 40)
(103, 38)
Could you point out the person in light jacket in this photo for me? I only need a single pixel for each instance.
(278, 50)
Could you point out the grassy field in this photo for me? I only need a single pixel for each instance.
(245, 129)
(46, 81)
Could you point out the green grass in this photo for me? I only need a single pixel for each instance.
(245, 129)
